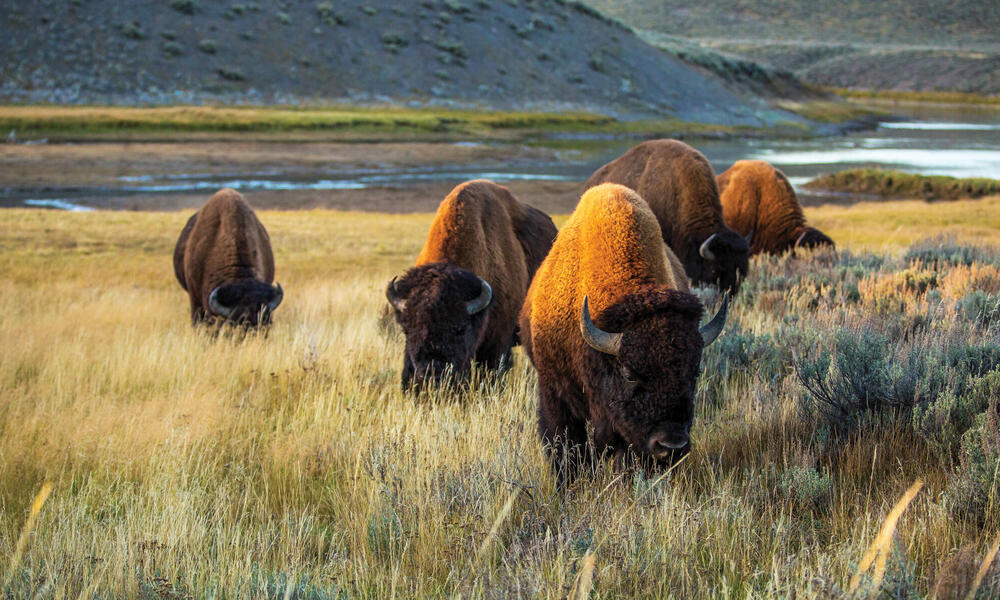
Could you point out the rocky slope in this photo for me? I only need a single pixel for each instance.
(511, 54)
(910, 45)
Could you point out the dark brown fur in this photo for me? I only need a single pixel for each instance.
(679, 185)
(480, 230)
(758, 197)
(224, 246)
(611, 252)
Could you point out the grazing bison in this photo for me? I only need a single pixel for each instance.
(461, 300)
(678, 183)
(223, 259)
(613, 331)
(757, 198)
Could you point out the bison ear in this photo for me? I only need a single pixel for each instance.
(393, 296)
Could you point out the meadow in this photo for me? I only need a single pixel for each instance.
(181, 464)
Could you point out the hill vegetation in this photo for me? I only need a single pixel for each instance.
(517, 55)
(891, 45)
(898, 184)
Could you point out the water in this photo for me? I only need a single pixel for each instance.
(960, 143)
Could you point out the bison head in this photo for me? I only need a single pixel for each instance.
(443, 311)
(247, 302)
(813, 238)
(725, 257)
(645, 373)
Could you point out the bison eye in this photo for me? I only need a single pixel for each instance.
(629, 376)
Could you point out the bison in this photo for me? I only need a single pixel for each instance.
(757, 198)
(678, 183)
(612, 329)
(223, 259)
(461, 300)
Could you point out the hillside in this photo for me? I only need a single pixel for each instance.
(891, 45)
(505, 55)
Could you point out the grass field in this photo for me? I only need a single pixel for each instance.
(351, 122)
(290, 465)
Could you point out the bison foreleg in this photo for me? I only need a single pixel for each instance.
(563, 435)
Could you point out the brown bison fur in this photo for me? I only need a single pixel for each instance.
(224, 247)
(757, 198)
(679, 185)
(611, 252)
(480, 231)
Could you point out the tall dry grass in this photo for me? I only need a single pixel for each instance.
(290, 465)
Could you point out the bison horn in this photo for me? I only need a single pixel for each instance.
(392, 294)
(749, 237)
(217, 307)
(711, 330)
(801, 237)
(279, 295)
(602, 341)
(480, 303)
(706, 250)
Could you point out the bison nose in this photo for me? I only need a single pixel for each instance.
(662, 444)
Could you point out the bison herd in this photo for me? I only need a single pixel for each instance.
(603, 307)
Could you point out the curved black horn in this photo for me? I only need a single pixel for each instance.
(392, 295)
(711, 330)
(602, 341)
(749, 237)
(217, 307)
(279, 295)
(481, 302)
(705, 250)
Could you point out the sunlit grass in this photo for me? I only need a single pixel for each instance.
(190, 465)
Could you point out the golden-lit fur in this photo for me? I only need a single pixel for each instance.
(602, 261)
(756, 197)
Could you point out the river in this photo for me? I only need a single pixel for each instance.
(940, 141)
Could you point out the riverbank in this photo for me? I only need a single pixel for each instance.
(359, 124)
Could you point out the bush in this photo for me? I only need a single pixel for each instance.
(231, 74)
(184, 6)
(172, 49)
(329, 15)
(208, 46)
(453, 47)
(980, 308)
(133, 30)
(943, 422)
(394, 41)
(974, 487)
(283, 18)
(806, 486)
(945, 251)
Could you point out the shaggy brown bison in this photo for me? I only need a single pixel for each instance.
(461, 300)
(678, 183)
(612, 329)
(223, 259)
(757, 198)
